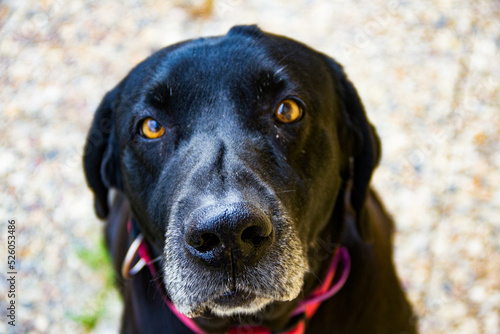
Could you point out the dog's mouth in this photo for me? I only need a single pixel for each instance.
(228, 304)
(235, 299)
(236, 302)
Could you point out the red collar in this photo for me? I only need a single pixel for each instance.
(307, 307)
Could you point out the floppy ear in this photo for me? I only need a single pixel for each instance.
(101, 155)
(361, 147)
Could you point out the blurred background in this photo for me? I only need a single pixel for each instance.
(427, 71)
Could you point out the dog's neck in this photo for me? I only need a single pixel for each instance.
(374, 282)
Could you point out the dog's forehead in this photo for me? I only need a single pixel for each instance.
(221, 56)
(234, 59)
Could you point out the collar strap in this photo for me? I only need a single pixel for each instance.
(306, 308)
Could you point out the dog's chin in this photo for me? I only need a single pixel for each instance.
(228, 305)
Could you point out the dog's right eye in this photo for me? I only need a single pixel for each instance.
(151, 129)
(288, 111)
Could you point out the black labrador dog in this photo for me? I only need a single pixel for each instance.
(243, 162)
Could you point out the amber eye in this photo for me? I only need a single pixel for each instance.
(288, 111)
(151, 129)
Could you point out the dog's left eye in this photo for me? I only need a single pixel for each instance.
(288, 111)
(151, 129)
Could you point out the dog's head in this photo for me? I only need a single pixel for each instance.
(234, 153)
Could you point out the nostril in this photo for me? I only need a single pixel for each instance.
(205, 242)
(255, 235)
(241, 231)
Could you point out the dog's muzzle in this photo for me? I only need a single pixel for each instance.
(232, 258)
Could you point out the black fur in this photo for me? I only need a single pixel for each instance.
(271, 195)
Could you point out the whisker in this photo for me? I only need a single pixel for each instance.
(286, 191)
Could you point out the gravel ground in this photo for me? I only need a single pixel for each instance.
(429, 75)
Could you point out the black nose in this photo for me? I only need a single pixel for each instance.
(239, 232)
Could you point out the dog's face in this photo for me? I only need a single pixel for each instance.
(233, 153)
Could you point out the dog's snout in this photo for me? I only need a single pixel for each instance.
(239, 231)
